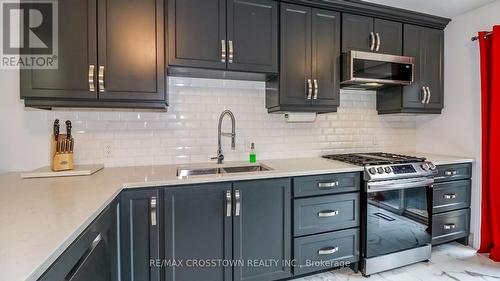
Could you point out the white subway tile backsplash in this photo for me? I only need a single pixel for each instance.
(187, 133)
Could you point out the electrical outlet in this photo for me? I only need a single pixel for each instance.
(107, 149)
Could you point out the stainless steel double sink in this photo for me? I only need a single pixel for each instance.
(185, 172)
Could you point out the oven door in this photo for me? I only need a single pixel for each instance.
(374, 70)
(397, 216)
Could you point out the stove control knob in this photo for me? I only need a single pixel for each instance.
(388, 170)
(425, 166)
(432, 166)
(372, 171)
(380, 170)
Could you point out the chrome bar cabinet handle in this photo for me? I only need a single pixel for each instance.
(223, 51)
(378, 42)
(229, 199)
(372, 41)
(237, 197)
(316, 89)
(450, 196)
(91, 78)
(327, 185)
(429, 95)
(309, 89)
(231, 51)
(153, 210)
(449, 226)
(328, 251)
(101, 79)
(424, 90)
(328, 213)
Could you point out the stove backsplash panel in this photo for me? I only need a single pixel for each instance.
(187, 133)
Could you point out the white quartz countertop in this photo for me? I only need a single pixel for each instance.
(40, 218)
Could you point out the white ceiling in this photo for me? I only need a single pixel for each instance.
(446, 8)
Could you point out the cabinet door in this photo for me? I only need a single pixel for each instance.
(140, 234)
(198, 227)
(295, 54)
(252, 34)
(131, 50)
(390, 34)
(197, 33)
(356, 33)
(261, 228)
(77, 48)
(433, 46)
(413, 95)
(326, 56)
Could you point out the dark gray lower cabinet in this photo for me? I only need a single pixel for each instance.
(94, 254)
(140, 234)
(323, 251)
(261, 229)
(198, 227)
(451, 198)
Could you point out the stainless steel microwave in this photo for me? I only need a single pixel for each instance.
(367, 70)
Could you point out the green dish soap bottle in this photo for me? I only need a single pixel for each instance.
(253, 157)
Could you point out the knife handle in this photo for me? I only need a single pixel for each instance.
(56, 129)
(68, 129)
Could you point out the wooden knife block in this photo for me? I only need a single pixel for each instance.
(61, 161)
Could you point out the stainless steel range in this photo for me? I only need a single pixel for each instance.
(396, 229)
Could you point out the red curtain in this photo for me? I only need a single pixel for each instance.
(490, 106)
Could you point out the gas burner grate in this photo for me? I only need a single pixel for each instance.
(377, 158)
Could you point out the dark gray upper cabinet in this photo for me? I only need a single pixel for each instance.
(198, 225)
(356, 33)
(390, 36)
(426, 45)
(197, 33)
(252, 35)
(131, 56)
(310, 62)
(224, 34)
(105, 60)
(326, 57)
(77, 51)
(140, 234)
(361, 33)
(262, 228)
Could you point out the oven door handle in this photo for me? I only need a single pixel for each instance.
(398, 184)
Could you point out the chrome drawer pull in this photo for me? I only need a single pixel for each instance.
(229, 206)
(223, 51)
(449, 226)
(451, 173)
(378, 42)
(372, 41)
(328, 213)
(231, 51)
(153, 211)
(450, 196)
(326, 185)
(101, 79)
(328, 251)
(309, 89)
(91, 78)
(316, 89)
(237, 197)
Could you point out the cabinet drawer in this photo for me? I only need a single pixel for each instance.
(450, 226)
(326, 184)
(450, 196)
(454, 172)
(323, 251)
(325, 213)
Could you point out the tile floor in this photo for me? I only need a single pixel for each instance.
(449, 262)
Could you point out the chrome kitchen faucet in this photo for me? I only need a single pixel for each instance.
(220, 155)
